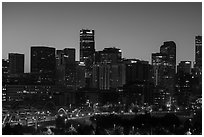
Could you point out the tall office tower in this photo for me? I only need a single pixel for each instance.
(107, 71)
(164, 68)
(169, 49)
(184, 67)
(108, 76)
(80, 75)
(184, 81)
(138, 84)
(87, 50)
(5, 80)
(70, 68)
(66, 67)
(60, 68)
(69, 55)
(137, 70)
(5, 68)
(197, 70)
(16, 63)
(198, 52)
(109, 55)
(43, 62)
(158, 61)
(87, 45)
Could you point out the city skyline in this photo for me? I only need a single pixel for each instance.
(58, 24)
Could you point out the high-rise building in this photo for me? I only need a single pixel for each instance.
(69, 55)
(5, 70)
(158, 61)
(107, 69)
(198, 52)
(43, 62)
(42, 59)
(87, 50)
(138, 81)
(66, 67)
(137, 70)
(16, 63)
(164, 66)
(184, 67)
(80, 75)
(183, 88)
(197, 70)
(108, 55)
(87, 45)
(169, 48)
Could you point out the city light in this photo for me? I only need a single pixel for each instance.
(84, 90)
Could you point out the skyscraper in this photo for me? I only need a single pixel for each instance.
(169, 48)
(70, 67)
(16, 63)
(184, 67)
(158, 61)
(109, 55)
(5, 71)
(87, 50)
(43, 62)
(198, 52)
(87, 46)
(138, 84)
(66, 67)
(164, 66)
(69, 55)
(106, 73)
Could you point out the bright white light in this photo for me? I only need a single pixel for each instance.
(133, 61)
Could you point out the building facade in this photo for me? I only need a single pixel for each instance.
(164, 68)
(16, 63)
(198, 52)
(66, 68)
(87, 50)
(184, 67)
(43, 62)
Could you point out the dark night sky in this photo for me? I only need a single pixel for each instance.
(139, 29)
